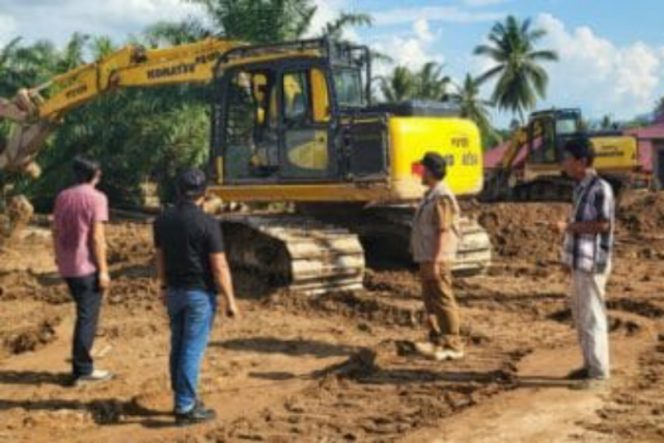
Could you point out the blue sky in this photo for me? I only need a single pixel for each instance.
(612, 52)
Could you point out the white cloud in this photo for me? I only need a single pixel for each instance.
(411, 50)
(58, 20)
(451, 14)
(598, 75)
(422, 30)
(326, 11)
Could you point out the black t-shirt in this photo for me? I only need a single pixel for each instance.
(187, 236)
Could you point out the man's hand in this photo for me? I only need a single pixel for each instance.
(429, 269)
(232, 310)
(559, 227)
(104, 282)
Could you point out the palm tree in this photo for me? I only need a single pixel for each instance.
(176, 33)
(334, 29)
(431, 83)
(471, 105)
(253, 21)
(73, 52)
(426, 84)
(520, 77)
(7, 72)
(260, 21)
(101, 47)
(399, 86)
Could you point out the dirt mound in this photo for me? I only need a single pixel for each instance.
(33, 337)
(519, 230)
(642, 213)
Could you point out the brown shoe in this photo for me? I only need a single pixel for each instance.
(426, 348)
(578, 374)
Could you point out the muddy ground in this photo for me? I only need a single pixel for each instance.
(340, 367)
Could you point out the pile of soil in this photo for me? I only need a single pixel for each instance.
(642, 213)
(521, 231)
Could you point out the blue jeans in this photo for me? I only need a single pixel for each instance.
(191, 313)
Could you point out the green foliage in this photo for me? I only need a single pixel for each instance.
(334, 29)
(260, 21)
(473, 107)
(520, 79)
(428, 83)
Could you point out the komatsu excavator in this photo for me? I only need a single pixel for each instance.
(530, 168)
(291, 122)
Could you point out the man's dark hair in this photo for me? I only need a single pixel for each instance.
(191, 184)
(436, 164)
(581, 148)
(85, 169)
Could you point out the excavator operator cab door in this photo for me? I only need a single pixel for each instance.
(547, 135)
(272, 124)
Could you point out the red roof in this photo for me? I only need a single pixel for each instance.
(648, 132)
(492, 157)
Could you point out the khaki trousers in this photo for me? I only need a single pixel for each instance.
(440, 305)
(588, 294)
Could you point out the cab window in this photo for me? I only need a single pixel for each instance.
(306, 111)
(251, 129)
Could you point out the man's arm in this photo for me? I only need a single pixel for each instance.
(603, 204)
(223, 280)
(99, 251)
(160, 264)
(589, 227)
(54, 235)
(444, 220)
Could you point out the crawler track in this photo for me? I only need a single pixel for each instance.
(299, 252)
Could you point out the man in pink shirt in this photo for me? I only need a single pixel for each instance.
(80, 251)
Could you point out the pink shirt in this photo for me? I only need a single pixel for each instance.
(76, 211)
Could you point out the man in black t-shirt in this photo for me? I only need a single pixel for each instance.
(192, 268)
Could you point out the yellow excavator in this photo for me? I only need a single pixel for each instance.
(291, 122)
(530, 168)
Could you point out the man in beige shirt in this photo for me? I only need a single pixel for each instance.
(434, 240)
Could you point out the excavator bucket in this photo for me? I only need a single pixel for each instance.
(18, 152)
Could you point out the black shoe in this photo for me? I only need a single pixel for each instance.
(578, 374)
(199, 414)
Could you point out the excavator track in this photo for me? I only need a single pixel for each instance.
(385, 234)
(391, 227)
(297, 252)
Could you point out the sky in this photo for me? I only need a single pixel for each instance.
(611, 52)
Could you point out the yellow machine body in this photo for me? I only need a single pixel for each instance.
(616, 153)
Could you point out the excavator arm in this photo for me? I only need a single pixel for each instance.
(37, 111)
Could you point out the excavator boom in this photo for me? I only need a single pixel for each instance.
(38, 110)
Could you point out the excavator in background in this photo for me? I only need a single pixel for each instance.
(530, 168)
(290, 122)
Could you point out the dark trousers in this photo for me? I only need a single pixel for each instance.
(85, 292)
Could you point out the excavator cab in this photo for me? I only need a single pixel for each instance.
(282, 120)
(548, 131)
